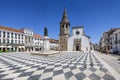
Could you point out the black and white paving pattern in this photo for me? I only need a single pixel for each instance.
(64, 66)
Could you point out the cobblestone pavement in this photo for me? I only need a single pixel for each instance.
(65, 66)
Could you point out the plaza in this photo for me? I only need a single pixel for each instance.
(59, 40)
(62, 66)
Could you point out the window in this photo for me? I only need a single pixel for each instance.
(4, 40)
(66, 26)
(8, 36)
(4, 34)
(11, 35)
(29, 38)
(0, 40)
(15, 36)
(62, 26)
(12, 41)
(0, 33)
(16, 41)
(77, 32)
(22, 36)
(18, 36)
(19, 41)
(8, 41)
(116, 38)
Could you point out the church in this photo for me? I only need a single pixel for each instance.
(79, 41)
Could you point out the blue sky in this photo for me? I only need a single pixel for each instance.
(97, 16)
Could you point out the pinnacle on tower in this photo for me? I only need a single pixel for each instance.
(64, 17)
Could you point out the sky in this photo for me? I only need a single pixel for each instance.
(97, 16)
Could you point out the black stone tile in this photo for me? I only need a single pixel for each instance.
(29, 64)
(34, 77)
(80, 76)
(73, 67)
(8, 79)
(57, 65)
(3, 75)
(19, 71)
(108, 77)
(92, 69)
(104, 70)
(64, 67)
(50, 78)
(82, 68)
(1, 71)
(41, 68)
(26, 74)
(57, 72)
(48, 70)
(50, 64)
(94, 77)
(14, 68)
(35, 66)
(68, 75)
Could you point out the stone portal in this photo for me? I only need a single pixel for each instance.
(77, 45)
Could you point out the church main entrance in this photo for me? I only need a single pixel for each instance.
(77, 45)
(77, 48)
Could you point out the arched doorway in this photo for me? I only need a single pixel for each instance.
(77, 45)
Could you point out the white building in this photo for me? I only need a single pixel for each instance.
(110, 41)
(115, 41)
(54, 44)
(29, 39)
(79, 41)
(23, 40)
(11, 39)
(38, 42)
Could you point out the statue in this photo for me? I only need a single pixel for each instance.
(45, 31)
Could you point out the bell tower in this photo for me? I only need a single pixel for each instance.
(64, 32)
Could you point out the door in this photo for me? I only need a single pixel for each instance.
(77, 47)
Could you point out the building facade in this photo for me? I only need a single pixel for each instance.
(77, 42)
(11, 39)
(22, 40)
(109, 42)
(115, 42)
(38, 42)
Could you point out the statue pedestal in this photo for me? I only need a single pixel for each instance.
(46, 43)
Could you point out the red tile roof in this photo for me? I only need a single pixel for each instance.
(37, 36)
(9, 29)
(53, 41)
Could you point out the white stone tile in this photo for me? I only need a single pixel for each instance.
(31, 69)
(99, 73)
(38, 72)
(87, 72)
(59, 77)
(12, 75)
(46, 75)
(22, 78)
(75, 71)
(66, 70)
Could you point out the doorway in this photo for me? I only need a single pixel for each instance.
(77, 48)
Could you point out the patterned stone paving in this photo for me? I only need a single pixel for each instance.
(64, 66)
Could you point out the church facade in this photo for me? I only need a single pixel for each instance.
(77, 42)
